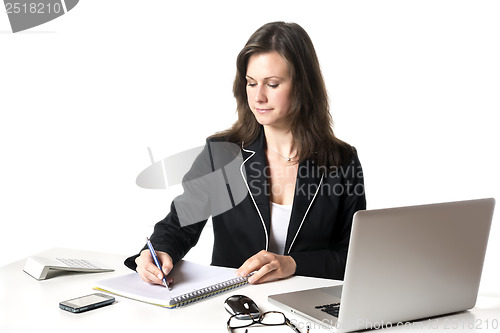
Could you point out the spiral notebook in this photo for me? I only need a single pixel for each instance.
(192, 282)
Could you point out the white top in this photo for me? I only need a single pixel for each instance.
(280, 219)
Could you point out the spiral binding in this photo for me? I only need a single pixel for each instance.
(212, 290)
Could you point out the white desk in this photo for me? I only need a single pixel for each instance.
(28, 305)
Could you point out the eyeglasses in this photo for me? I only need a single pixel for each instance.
(270, 318)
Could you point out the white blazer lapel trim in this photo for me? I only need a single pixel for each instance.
(303, 218)
(251, 196)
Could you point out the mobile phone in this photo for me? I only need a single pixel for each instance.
(85, 303)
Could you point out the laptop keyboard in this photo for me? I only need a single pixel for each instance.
(78, 263)
(331, 309)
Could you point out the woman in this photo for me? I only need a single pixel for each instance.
(303, 184)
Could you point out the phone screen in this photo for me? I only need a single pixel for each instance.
(86, 300)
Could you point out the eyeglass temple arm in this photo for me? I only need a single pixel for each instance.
(292, 326)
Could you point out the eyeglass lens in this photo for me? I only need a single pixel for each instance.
(268, 318)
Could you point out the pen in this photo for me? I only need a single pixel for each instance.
(157, 262)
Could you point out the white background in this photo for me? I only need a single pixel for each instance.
(414, 86)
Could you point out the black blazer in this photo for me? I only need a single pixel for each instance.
(320, 224)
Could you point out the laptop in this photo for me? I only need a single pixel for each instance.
(403, 264)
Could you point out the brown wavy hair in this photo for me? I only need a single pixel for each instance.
(311, 122)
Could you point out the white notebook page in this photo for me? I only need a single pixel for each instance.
(188, 277)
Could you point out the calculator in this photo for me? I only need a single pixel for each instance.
(39, 267)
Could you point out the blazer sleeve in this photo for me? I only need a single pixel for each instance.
(331, 262)
(180, 230)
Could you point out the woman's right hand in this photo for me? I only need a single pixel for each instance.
(149, 272)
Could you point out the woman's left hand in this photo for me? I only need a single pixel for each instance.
(268, 266)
